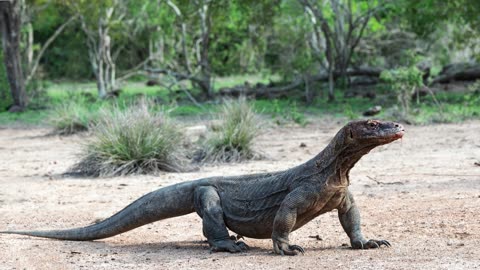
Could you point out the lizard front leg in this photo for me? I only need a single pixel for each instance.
(350, 219)
(294, 204)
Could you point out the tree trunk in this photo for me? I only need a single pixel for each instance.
(10, 23)
(205, 73)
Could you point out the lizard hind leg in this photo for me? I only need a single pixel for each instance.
(208, 207)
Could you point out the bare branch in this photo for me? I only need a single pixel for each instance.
(135, 70)
(50, 40)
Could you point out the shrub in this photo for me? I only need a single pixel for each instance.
(132, 141)
(404, 81)
(70, 118)
(232, 139)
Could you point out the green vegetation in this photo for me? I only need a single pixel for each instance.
(70, 118)
(76, 55)
(72, 103)
(232, 139)
(404, 82)
(132, 141)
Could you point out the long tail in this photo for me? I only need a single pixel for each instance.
(164, 203)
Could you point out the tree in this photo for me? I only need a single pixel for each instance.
(33, 59)
(206, 35)
(338, 26)
(457, 20)
(104, 23)
(10, 28)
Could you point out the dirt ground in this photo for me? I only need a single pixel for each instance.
(422, 194)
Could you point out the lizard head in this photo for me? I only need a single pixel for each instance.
(373, 132)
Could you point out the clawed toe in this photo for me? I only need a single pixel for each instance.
(290, 250)
(370, 244)
(242, 245)
(229, 245)
(385, 242)
(296, 247)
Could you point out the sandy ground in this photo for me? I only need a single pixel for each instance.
(422, 194)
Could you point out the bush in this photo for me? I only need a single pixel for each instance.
(70, 118)
(132, 141)
(232, 139)
(404, 81)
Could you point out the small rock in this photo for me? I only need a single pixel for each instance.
(303, 145)
(373, 111)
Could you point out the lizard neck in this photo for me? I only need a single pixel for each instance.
(346, 160)
(338, 158)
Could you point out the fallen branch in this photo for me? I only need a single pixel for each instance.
(458, 72)
(287, 89)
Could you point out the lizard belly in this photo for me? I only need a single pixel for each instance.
(259, 225)
(321, 207)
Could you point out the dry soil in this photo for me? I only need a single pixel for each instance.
(422, 194)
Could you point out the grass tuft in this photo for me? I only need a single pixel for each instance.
(232, 139)
(132, 141)
(70, 118)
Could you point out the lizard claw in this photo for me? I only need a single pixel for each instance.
(296, 247)
(370, 244)
(285, 249)
(382, 242)
(242, 245)
(229, 245)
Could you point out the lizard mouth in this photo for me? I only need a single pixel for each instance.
(393, 137)
(397, 135)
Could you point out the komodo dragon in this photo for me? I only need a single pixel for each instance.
(258, 205)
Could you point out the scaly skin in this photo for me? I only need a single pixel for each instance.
(260, 205)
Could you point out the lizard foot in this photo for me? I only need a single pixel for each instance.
(370, 244)
(286, 249)
(229, 245)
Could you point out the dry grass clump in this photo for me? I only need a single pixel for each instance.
(232, 140)
(132, 141)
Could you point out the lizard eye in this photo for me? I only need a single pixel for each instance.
(372, 124)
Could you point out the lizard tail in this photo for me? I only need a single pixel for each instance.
(164, 203)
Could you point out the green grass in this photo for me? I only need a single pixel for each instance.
(232, 139)
(132, 141)
(296, 111)
(29, 117)
(456, 106)
(70, 118)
